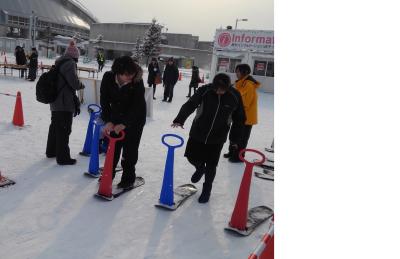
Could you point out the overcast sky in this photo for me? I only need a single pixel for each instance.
(199, 18)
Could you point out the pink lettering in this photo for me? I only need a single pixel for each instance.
(236, 38)
(247, 39)
(260, 40)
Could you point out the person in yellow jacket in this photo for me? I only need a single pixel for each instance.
(247, 87)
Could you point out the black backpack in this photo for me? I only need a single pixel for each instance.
(46, 88)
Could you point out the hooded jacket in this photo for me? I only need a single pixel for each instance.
(214, 115)
(247, 87)
(67, 84)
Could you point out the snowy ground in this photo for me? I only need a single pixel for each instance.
(51, 212)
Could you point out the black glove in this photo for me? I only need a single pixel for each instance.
(77, 112)
(77, 105)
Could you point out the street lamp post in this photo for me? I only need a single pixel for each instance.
(239, 20)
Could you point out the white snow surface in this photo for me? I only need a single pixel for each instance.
(51, 211)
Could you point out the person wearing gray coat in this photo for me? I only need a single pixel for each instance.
(64, 108)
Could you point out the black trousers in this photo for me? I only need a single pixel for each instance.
(154, 88)
(130, 152)
(245, 136)
(169, 92)
(22, 72)
(58, 137)
(204, 156)
(101, 65)
(32, 72)
(244, 140)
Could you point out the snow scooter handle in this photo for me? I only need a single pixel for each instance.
(256, 162)
(114, 139)
(172, 135)
(90, 110)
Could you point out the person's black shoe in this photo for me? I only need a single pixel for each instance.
(228, 155)
(188, 96)
(50, 156)
(124, 185)
(205, 193)
(235, 160)
(163, 100)
(197, 175)
(169, 101)
(70, 161)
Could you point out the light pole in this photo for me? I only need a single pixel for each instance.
(239, 20)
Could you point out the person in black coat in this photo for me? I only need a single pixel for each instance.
(124, 108)
(218, 106)
(154, 71)
(20, 58)
(65, 107)
(170, 77)
(33, 64)
(194, 81)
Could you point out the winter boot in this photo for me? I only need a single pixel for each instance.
(231, 151)
(205, 194)
(197, 175)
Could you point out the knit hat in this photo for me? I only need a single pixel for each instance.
(72, 50)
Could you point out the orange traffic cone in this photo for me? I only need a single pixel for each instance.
(202, 79)
(180, 76)
(18, 119)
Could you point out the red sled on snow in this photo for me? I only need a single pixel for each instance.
(4, 181)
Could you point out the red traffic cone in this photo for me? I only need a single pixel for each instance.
(105, 188)
(180, 76)
(202, 79)
(239, 214)
(265, 249)
(18, 119)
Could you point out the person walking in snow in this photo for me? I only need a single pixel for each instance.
(194, 81)
(33, 64)
(247, 87)
(100, 60)
(218, 104)
(154, 72)
(65, 107)
(170, 77)
(124, 108)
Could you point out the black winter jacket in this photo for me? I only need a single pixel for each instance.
(214, 115)
(153, 71)
(171, 74)
(124, 105)
(20, 57)
(33, 60)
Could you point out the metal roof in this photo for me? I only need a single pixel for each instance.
(50, 10)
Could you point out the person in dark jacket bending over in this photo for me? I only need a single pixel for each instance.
(218, 105)
(64, 107)
(170, 77)
(124, 108)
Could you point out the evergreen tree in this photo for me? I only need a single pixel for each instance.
(152, 40)
(137, 52)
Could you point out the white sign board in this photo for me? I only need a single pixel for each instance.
(262, 41)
